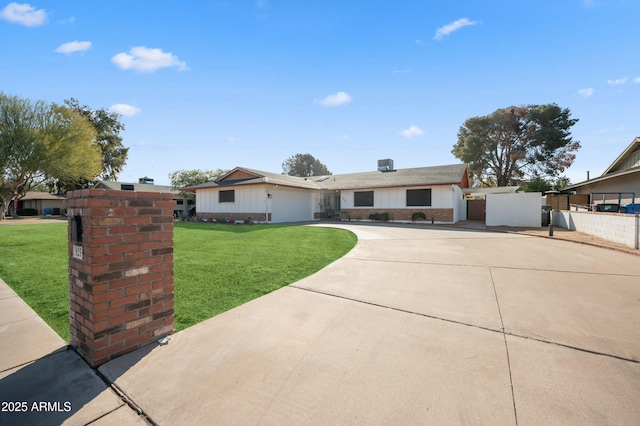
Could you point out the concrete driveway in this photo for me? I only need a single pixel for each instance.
(415, 325)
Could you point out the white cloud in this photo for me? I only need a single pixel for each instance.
(73, 46)
(124, 109)
(617, 82)
(585, 93)
(340, 98)
(411, 132)
(24, 14)
(454, 26)
(636, 80)
(144, 59)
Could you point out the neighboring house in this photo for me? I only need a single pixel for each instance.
(43, 203)
(246, 194)
(182, 205)
(619, 184)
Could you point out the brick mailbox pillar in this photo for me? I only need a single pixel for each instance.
(120, 271)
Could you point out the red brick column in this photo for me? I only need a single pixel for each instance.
(120, 271)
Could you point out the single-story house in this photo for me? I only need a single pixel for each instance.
(620, 182)
(246, 194)
(183, 205)
(43, 203)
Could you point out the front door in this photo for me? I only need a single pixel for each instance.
(332, 205)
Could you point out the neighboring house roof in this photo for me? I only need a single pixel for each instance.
(629, 159)
(627, 163)
(437, 175)
(142, 187)
(35, 195)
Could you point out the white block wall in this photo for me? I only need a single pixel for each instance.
(616, 227)
(517, 209)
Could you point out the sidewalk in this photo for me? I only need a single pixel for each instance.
(43, 381)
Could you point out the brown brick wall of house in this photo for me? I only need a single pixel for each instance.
(438, 215)
(121, 272)
(255, 217)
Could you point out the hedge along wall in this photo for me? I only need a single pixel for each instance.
(438, 215)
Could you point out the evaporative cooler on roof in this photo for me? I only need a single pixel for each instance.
(385, 165)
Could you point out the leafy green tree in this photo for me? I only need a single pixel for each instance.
(38, 142)
(536, 184)
(183, 178)
(561, 183)
(512, 143)
(107, 127)
(304, 165)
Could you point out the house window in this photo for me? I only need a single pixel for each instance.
(227, 196)
(363, 199)
(418, 197)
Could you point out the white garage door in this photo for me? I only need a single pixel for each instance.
(291, 205)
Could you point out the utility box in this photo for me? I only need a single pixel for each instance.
(546, 215)
(120, 271)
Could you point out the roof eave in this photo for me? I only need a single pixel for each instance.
(622, 157)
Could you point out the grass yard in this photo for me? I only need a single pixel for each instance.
(217, 267)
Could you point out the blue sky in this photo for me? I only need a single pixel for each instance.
(218, 84)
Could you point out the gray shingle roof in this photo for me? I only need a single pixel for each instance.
(435, 175)
(107, 184)
(36, 195)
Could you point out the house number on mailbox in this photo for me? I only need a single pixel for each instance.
(76, 236)
(77, 252)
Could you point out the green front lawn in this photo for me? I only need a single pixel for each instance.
(217, 267)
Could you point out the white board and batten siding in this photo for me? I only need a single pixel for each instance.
(247, 200)
(444, 197)
(285, 204)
